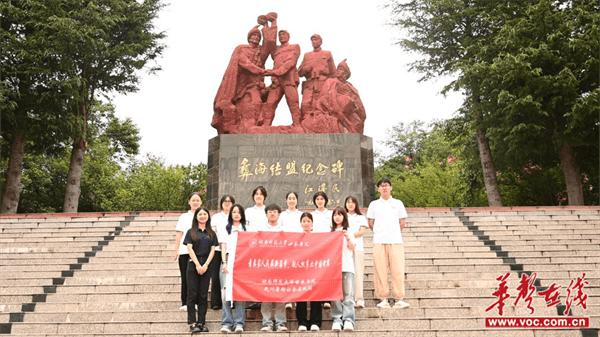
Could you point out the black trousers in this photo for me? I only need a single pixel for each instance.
(316, 314)
(215, 282)
(197, 293)
(183, 262)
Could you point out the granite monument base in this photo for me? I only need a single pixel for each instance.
(338, 164)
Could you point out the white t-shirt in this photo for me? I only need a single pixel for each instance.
(322, 221)
(387, 215)
(255, 216)
(356, 222)
(291, 221)
(347, 255)
(268, 228)
(184, 223)
(218, 223)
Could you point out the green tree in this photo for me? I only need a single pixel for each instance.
(543, 88)
(99, 47)
(31, 102)
(152, 185)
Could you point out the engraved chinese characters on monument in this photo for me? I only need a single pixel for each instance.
(250, 151)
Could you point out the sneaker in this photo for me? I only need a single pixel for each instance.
(314, 327)
(383, 304)
(194, 328)
(266, 328)
(239, 328)
(202, 328)
(225, 329)
(288, 306)
(302, 328)
(281, 328)
(348, 326)
(401, 305)
(360, 304)
(336, 327)
(183, 308)
(326, 305)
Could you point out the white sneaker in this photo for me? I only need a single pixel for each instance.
(383, 304)
(360, 304)
(225, 329)
(239, 328)
(326, 305)
(302, 328)
(183, 308)
(348, 326)
(401, 305)
(336, 327)
(288, 306)
(266, 328)
(314, 327)
(281, 328)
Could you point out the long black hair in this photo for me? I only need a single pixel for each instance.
(195, 229)
(342, 211)
(230, 218)
(355, 202)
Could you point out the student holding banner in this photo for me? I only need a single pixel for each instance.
(236, 223)
(358, 227)
(316, 311)
(201, 241)
(184, 223)
(266, 308)
(343, 311)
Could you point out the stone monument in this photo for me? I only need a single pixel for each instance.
(324, 148)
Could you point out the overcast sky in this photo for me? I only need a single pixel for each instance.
(173, 108)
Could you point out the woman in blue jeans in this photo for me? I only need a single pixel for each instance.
(236, 222)
(342, 311)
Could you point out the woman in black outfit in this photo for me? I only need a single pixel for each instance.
(201, 241)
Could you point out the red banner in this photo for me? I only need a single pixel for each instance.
(288, 267)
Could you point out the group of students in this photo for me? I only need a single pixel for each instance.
(204, 243)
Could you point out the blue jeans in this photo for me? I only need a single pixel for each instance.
(229, 318)
(342, 311)
(265, 310)
(238, 317)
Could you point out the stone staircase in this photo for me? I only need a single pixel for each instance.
(114, 274)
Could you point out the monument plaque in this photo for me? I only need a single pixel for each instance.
(322, 150)
(338, 164)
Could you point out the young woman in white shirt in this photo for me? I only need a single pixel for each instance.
(236, 222)
(218, 222)
(290, 218)
(342, 311)
(316, 311)
(256, 215)
(184, 223)
(358, 227)
(321, 215)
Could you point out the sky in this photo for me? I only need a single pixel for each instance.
(173, 107)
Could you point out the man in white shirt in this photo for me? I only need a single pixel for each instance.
(387, 218)
(266, 308)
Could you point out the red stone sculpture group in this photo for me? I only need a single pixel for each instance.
(244, 104)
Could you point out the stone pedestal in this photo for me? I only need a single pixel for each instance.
(338, 164)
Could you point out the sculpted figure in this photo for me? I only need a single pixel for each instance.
(284, 80)
(240, 96)
(317, 66)
(340, 99)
